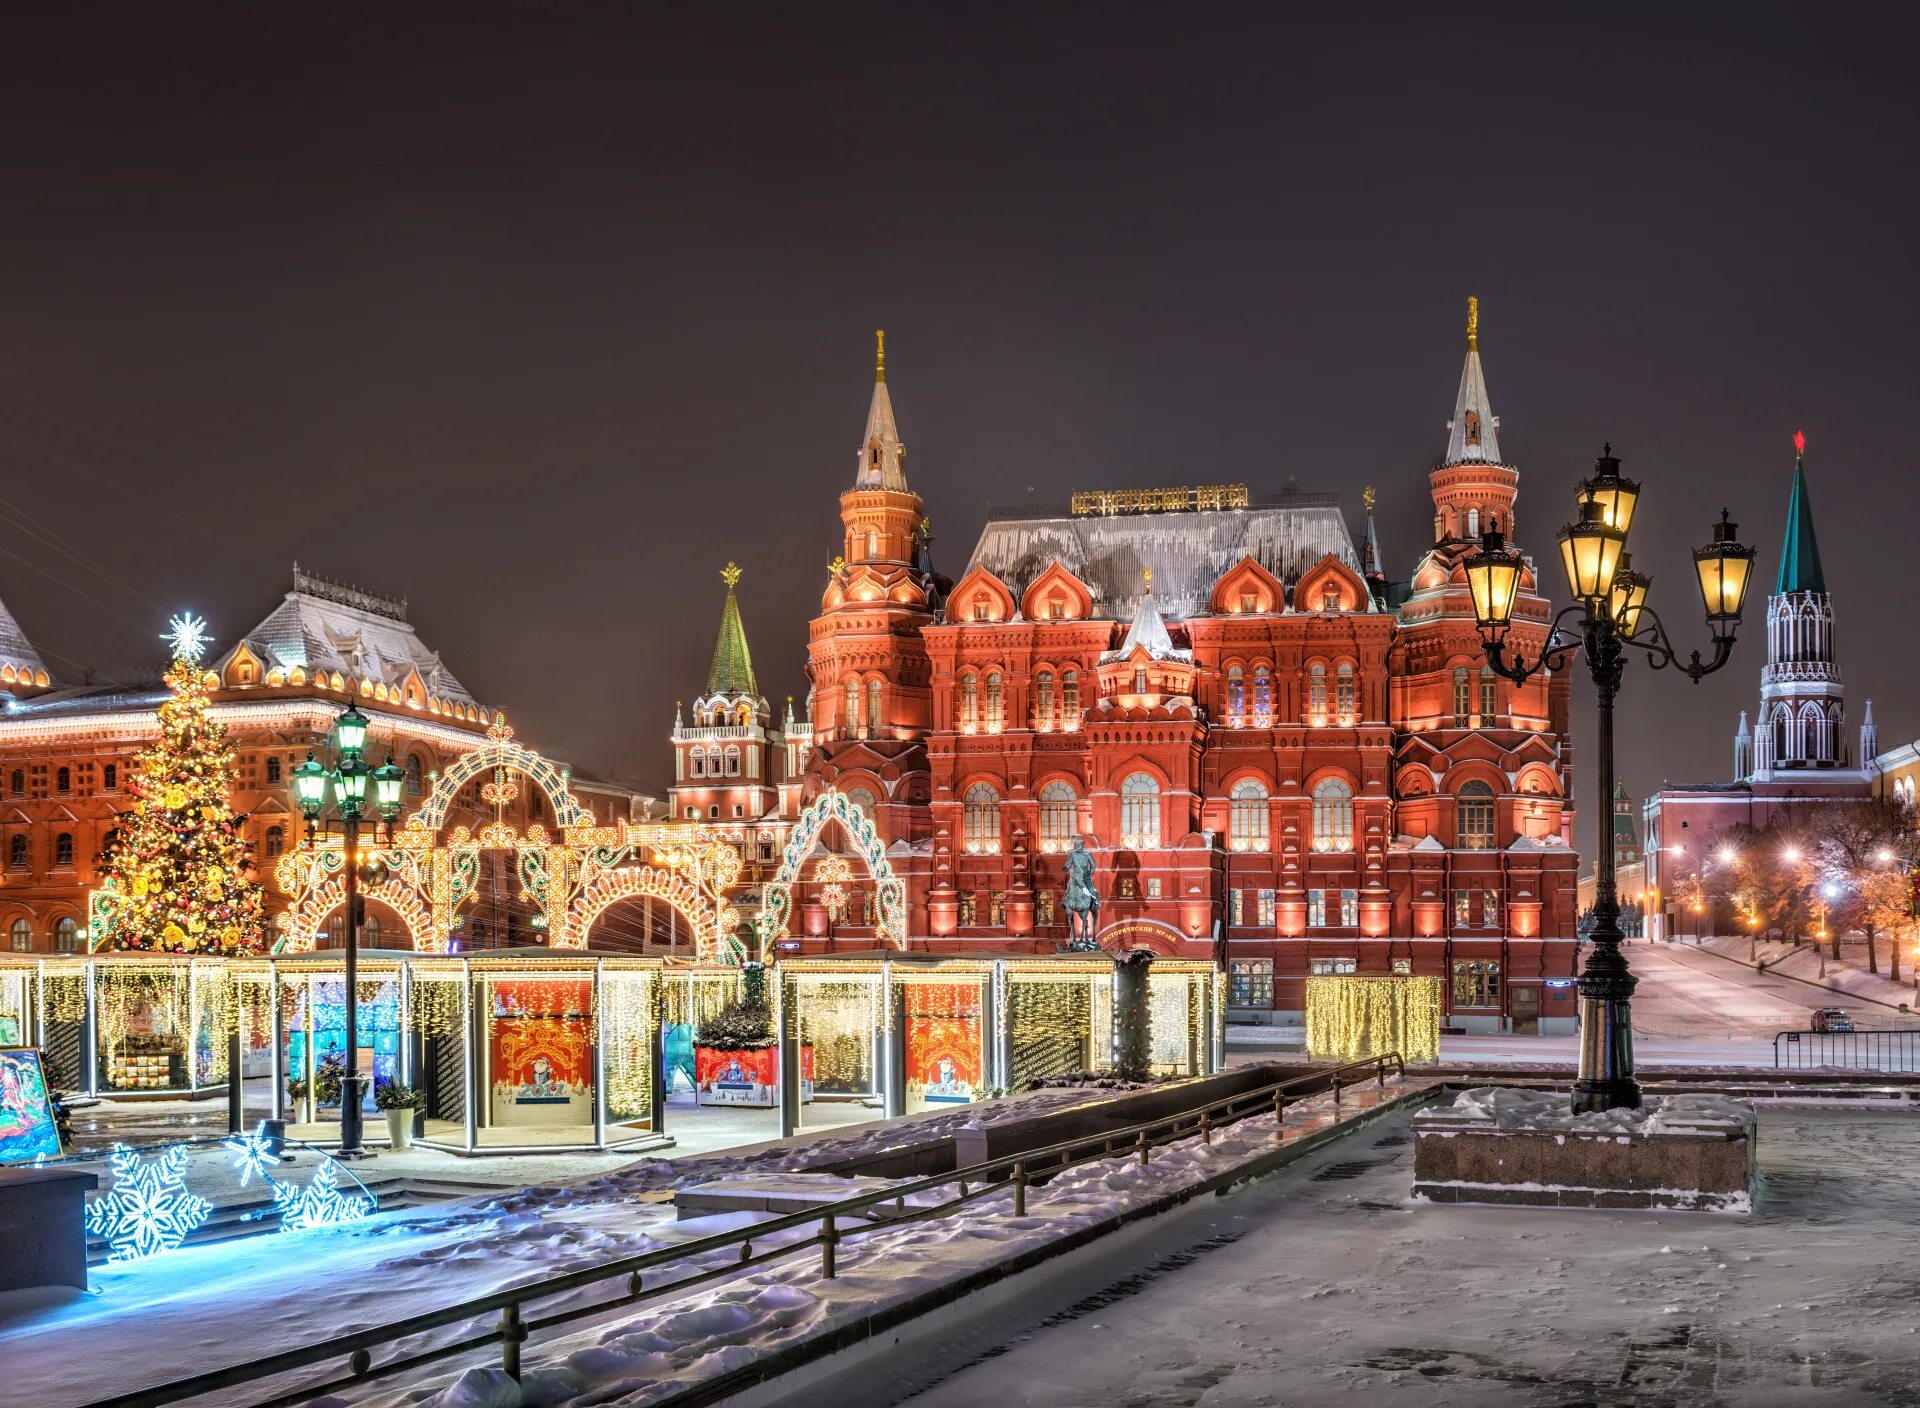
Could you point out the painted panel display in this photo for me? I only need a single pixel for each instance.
(746, 1077)
(376, 1028)
(540, 1048)
(27, 1130)
(944, 1050)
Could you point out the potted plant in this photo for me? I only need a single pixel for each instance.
(736, 1052)
(401, 1102)
(300, 1091)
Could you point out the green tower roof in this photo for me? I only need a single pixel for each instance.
(732, 669)
(1800, 552)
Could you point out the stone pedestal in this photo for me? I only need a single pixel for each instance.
(43, 1228)
(1526, 1148)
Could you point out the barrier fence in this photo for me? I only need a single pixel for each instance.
(652, 1274)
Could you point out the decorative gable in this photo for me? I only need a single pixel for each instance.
(981, 596)
(1057, 595)
(1331, 585)
(1247, 588)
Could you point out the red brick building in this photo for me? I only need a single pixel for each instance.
(1279, 757)
(68, 750)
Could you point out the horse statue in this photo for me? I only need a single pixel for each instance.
(1082, 899)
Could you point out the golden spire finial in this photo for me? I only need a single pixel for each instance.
(879, 354)
(1148, 574)
(1473, 323)
(730, 574)
(1369, 498)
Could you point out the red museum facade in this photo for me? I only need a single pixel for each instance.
(1281, 758)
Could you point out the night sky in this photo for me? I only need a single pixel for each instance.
(538, 318)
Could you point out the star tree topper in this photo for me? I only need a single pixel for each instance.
(187, 633)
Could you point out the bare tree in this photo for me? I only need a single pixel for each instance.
(1865, 850)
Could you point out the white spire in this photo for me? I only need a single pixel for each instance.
(1149, 631)
(1473, 433)
(883, 459)
(1869, 738)
(1742, 751)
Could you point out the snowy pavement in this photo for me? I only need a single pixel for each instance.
(150, 1321)
(1325, 1284)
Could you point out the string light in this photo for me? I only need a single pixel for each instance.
(321, 1203)
(148, 1209)
(1350, 1017)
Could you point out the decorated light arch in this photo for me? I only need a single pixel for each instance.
(571, 876)
(890, 893)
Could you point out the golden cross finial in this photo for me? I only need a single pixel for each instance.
(730, 574)
(1368, 498)
(838, 565)
(1148, 574)
(1473, 323)
(879, 354)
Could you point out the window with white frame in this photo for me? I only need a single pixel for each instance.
(1316, 909)
(853, 708)
(983, 820)
(1247, 818)
(873, 706)
(1236, 696)
(969, 701)
(995, 702)
(1332, 815)
(1317, 692)
(1043, 700)
(1070, 699)
(1332, 967)
(863, 799)
(1462, 696)
(1237, 907)
(1346, 694)
(1476, 983)
(1140, 811)
(1262, 696)
(1488, 696)
(1059, 804)
(1250, 982)
(1269, 911)
(1476, 817)
(1349, 909)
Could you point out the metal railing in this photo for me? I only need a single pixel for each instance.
(1894, 1049)
(1015, 1171)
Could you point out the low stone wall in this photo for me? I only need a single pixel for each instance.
(1526, 1149)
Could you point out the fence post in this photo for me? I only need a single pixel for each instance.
(1144, 1146)
(1380, 1073)
(1279, 1116)
(1206, 1128)
(512, 1333)
(1020, 1190)
(1336, 1090)
(829, 1239)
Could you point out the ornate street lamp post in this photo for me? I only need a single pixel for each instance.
(1610, 602)
(349, 779)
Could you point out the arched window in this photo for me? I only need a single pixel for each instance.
(1140, 811)
(17, 782)
(853, 708)
(1488, 697)
(1462, 696)
(276, 841)
(66, 936)
(1330, 597)
(416, 777)
(1247, 824)
(1317, 692)
(21, 933)
(983, 820)
(17, 853)
(1346, 693)
(1070, 699)
(63, 848)
(1476, 817)
(733, 760)
(995, 703)
(1043, 700)
(873, 542)
(1139, 679)
(873, 706)
(696, 763)
(110, 842)
(1236, 696)
(110, 778)
(863, 799)
(273, 768)
(63, 781)
(1332, 815)
(370, 931)
(969, 701)
(1262, 696)
(1058, 807)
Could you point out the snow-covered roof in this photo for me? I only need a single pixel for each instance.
(1188, 552)
(323, 625)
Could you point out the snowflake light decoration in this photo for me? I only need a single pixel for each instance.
(149, 1208)
(320, 1203)
(187, 633)
(253, 1156)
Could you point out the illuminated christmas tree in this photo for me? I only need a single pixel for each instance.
(178, 877)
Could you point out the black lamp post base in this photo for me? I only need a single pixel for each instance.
(1606, 1041)
(1591, 1097)
(348, 1156)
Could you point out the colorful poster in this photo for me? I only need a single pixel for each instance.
(27, 1130)
(541, 1051)
(746, 1077)
(943, 1042)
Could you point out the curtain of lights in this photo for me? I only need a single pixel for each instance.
(1350, 1018)
(1049, 1027)
(627, 1010)
(837, 1019)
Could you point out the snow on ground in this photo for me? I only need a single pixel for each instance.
(1311, 1289)
(1853, 987)
(1507, 1108)
(149, 1321)
(648, 1354)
